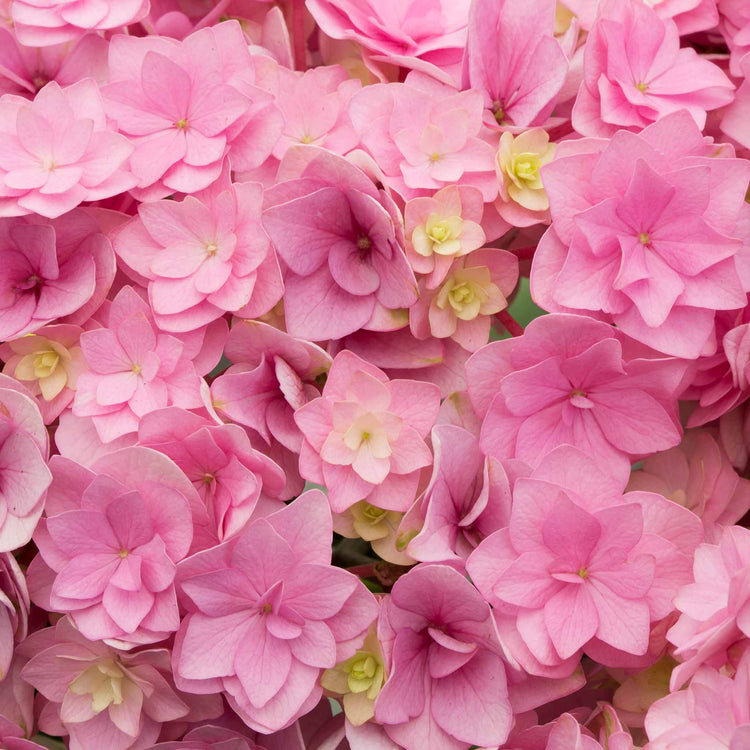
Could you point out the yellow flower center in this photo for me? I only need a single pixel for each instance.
(583, 573)
(641, 86)
(103, 682)
(644, 238)
(181, 124)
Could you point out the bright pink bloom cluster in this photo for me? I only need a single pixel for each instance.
(375, 374)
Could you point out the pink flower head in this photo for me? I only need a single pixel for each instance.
(59, 151)
(635, 72)
(514, 60)
(185, 104)
(341, 240)
(582, 566)
(442, 228)
(712, 713)
(364, 438)
(51, 270)
(425, 135)
(24, 476)
(401, 31)
(14, 612)
(443, 654)
(735, 27)
(468, 498)
(274, 375)
(98, 694)
(134, 368)
(111, 539)
(715, 608)
(568, 380)
(208, 737)
(475, 287)
(203, 256)
(645, 231)
(698, 475)
(314, 105)
(40, 24)
(233, 480)
(267, 613)
(48, 363)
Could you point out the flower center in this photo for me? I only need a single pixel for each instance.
(583, 573)
(103, 682)
(181, 124)
(641, 86)
(644, 238)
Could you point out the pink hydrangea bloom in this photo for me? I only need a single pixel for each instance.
(209, 737)
(635, 72)
(513, 58)
(441, 228)
(267, 613)
(715, 608)
(645, 231)
(59, 150)
(475, 287)
(712, 713)
(402, 31)
(341, 240)
(14, 610)
(134, 368)
(40, 24)
(698, 475)
(234, 481)
(274, 375)
(736, 119)
(185, 104)
(111, 538)
(735, 26)
(97, 694)
(569, 379)
(582, 566)
(203, 256)
(364, 438)
(425, 135)
(52, 269)
(467, 499)
(442, 652)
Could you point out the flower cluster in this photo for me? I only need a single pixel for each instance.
(375, 374)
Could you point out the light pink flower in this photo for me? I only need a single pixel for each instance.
(698, 475)
(14, 610)
(185, 105)
(234, 481)
(441, 228)
(59, 151)
(112, 537)
(133, 369)
(364, 438)
(514, 60)
(568, 379)
(735, 28)
(267, 613)
(635, 72)
(467, 499)
(98, 694)
(425, 135)
(341, 240)
(208, 737)
(274, 374)
(52, 270)
(40, 24)
(442, 653)
(203, 256)
(475, 287)
(736, 119)
(712, 713)
(645, 231)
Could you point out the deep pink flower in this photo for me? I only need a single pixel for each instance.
(203, 256)
(274, 374)
(98, 694)
(635, 72)
(112, 537)
(513, 59)
(645, 231)
(443, 654)
(59, 151)
(40, 24)
(134, 368)
(569, 379)
(185, 105)
(51, 270)
(365, 436)
(341, 240)
(267, 613)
